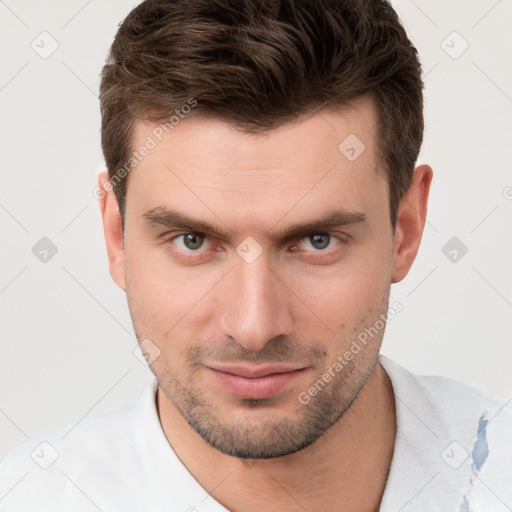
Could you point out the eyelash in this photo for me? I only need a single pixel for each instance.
(199, 254)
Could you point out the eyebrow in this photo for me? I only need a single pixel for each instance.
(171, 218)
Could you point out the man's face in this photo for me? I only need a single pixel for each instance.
(249, 316)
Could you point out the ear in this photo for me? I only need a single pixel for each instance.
(411, 221)
(112, 228)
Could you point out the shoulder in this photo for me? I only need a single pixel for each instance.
(453, 436)
(448, 399)
(43, 471)
(83, 438)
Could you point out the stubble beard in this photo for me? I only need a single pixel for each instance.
(264, 438)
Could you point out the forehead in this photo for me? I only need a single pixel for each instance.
(328, 156)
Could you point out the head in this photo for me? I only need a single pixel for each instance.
(261, 198)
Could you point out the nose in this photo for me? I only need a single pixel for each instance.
(256, 305)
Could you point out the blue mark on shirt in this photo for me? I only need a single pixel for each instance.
(481, 448)
(479, 454)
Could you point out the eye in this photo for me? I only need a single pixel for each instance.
(189, 242)
(318, 241)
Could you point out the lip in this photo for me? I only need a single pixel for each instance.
(255, 382)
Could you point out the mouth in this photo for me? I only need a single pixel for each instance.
(255, 382)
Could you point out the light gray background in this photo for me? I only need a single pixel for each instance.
(66, 337)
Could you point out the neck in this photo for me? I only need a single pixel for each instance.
(347, 465)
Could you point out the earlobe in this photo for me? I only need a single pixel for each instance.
(411, 222)
(112, 229)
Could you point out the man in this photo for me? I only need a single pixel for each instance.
(260, 200)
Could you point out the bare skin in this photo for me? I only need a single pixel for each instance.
(301, 302)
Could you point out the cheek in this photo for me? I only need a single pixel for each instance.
(165, 300)
(348, 291)
(162, 310)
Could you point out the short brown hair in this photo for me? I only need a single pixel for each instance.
(259, 64)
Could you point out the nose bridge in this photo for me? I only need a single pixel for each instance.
(254, 309)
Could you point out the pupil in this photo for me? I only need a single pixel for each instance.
(193, 241)
(320, 241)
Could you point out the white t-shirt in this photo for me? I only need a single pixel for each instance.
(453, 452)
